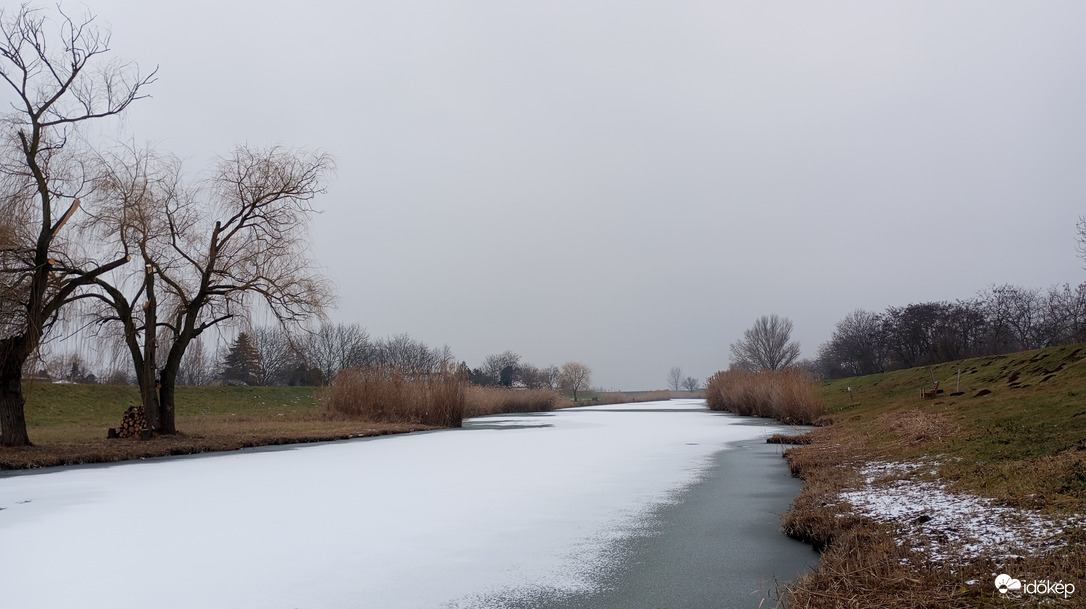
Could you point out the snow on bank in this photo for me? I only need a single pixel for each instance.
(422, 520)
(951, 525)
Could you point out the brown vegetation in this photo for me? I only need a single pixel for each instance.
(780, 438)
(1020, 444)
(622, 397)
(496, 400)
(790, 396)
(199, 437)
(393, 395)
(864, 563)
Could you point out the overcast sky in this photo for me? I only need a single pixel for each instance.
(630, 184)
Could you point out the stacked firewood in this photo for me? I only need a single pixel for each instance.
(133, 425)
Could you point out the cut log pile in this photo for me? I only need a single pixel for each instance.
(133, 425)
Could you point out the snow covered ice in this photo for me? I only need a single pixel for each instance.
(420, 520)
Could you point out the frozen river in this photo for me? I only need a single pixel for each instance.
(646, 505)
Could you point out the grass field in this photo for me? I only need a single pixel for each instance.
(68, 423)
(1012, 429)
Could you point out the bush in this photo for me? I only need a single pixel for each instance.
(391, 394)
(790, 396)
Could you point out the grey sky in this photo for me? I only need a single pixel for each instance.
(630, 184)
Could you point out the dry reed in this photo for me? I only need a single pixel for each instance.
(790, 396)
(391, 394)
(621, 397)
(496, 400)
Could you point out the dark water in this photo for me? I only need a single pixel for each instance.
(718, 545)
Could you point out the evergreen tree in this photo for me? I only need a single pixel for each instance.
(242, 365)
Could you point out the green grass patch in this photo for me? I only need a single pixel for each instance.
(1015, 424)
(102, 406)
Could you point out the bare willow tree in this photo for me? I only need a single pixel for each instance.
(210, 255)
(675, 378)
(574, 377)
(135, 187)
(766, 345)
(56, 70)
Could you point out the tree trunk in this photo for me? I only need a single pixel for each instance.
(148, 379)
(166, 410)
(149, 394)
(12, 413)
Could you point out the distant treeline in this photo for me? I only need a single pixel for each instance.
(1002, 319)
(270, 356)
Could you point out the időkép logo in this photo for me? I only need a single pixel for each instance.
(1007, 584)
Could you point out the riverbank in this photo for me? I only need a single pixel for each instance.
(68, 423)
(923, 502)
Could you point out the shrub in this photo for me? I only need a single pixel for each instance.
(790, 396)
(394, 395)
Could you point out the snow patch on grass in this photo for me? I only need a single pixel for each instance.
(947, 525)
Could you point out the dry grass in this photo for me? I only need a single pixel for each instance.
(780, 438)
(495, 400)
(392, 395)
(915, 427)
(1015, 434)
(790, 396)
(207, 433)
(68, 423)
(623, 397)
(694, 395)
(864, 565)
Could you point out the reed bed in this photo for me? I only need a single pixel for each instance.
(395, 395)
(622, 397)
(496, 400)
(790, 396)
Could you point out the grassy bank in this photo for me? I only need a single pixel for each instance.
(1011, 430)
(68, 423)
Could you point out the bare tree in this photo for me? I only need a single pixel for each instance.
(1014, 317)
(411, 355)
(501, 368)
(239, 242)
(1063, 317)
(277, 354)
(50, 66)
(691, 384)
(336, 346)
(135, 187)
(534, 377)
(574, 377)
(858, 346)
(675, 378)
(198, 366)
(767, 345)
